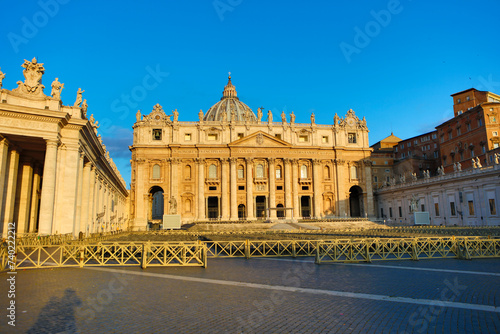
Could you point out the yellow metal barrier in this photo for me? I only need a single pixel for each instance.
(113, 254)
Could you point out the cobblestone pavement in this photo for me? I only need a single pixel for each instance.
(271, 295)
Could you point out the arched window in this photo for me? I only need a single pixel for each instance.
(278, 172)
(187, 205)
(187, 172)
(354, 172)
(156, 172)
(241, 172)
(327, 172)
(212, 172)
(303, 172)
(259, 171)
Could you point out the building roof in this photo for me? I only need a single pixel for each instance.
(231, 105)
(467, 90)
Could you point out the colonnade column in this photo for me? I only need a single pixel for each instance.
(201, 188)
(34, 199)
(288, 188)
(317, 188)
(86, 198)
(250, 213)
(295, 191)
(48, 188)
(234, 203)
(272, 187)
(79, 195)
(10, 190)
(91, 209)
(4, 151)
(369, 191)
(24, 194)
(225, 193)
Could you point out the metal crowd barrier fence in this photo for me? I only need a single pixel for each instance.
(113, 254)
(406, 249)
(261, 248)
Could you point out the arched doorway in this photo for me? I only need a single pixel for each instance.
(242, 211)
(280, 213)
(213, 207)
(156, 203)
(305, 206)
(260, 206)
(355, 201)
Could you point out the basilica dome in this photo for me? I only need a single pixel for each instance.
(231, 105)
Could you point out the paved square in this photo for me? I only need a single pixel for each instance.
(260, 295)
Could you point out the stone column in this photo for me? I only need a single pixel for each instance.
(295, 189)
(250, 200)
(86, 198)
(272, 187)
(341, 192)
(234, 191)
(369, 191)
(317, 188)
(79, 193)
(201, 189)
(24, 194)
(92, 199)
(174, 182)
(4, 157)
(48, 189)
(224, 189)
(35, 196)
(10, 190)
(288, 189)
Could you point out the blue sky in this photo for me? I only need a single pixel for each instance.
(394, 62)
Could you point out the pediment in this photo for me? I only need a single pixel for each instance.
(259, 139)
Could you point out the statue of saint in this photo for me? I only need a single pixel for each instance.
(270, 116)
(84, 107)
(173, 205)
(2, 76)
(200, 115)
(79, 98)
(292, 118)
(57, 87)
(259, 114)
(176, 115)
(138, 116)
(313, 118)
(283, 117)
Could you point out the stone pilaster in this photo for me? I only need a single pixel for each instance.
(225, 193)
(4, 157)
(86, 198)
(201, 189)
(342, 200)
(48, 189)
(295, 190)
(317, 188)
(288, 189)
(234, 191)
(250, 210)
(79, 194)
(272, 187)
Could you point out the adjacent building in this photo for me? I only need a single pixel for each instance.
(234, 165)
(56, 176)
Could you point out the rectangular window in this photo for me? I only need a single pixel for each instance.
(278, 135)
(382, 212)
(156, 134)
(212, 136)
(390, 212)
(436, 209)
(479, 122)
(324, 140)
(305, 187)
(351, 138)
(458, 132)
(422, 207)
(303, 138)
(471, 208)
(409, 144)
(435, 154)
(375, 179)
(279, 187)
(453, 212)
(400, 212)
(278, 173)
(187, 137)
(415, 142)
(493, 208)
(241, 187)
(212, 188)
(495, 133)
(468, 126)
